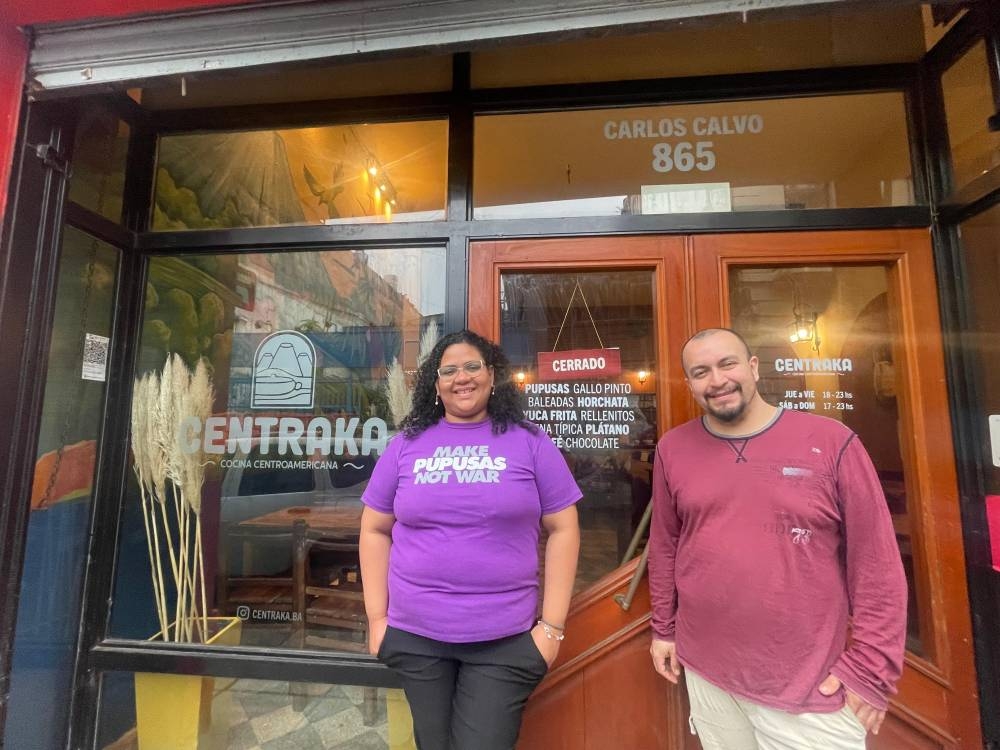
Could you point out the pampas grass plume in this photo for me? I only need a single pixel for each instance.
(155, 457)
(398, 395)
(427, 341)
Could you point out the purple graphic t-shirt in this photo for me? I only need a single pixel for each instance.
(464, 560)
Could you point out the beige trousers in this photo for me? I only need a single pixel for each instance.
(725, 722)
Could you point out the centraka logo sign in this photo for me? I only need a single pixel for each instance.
(284, 372)
(284, 377)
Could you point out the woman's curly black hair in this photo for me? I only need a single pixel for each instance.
(504, 407)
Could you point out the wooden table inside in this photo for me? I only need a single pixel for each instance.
(330, 521)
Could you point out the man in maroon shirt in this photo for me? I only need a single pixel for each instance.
(770, 533)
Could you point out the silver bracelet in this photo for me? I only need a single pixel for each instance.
(550, 631)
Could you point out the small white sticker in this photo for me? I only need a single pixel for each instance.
(686, 199)
(95, 357)
(995, 438)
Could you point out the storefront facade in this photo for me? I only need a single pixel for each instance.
(238, 229)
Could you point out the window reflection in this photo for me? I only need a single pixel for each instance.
(97, 180)
(968, 98)
(825, 340)
(311, 357)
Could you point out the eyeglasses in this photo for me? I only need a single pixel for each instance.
(471, 368)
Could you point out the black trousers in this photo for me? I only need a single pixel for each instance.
(464, 696)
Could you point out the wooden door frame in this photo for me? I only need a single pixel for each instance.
(937, 693)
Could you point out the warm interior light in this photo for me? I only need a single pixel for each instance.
(382, 191)
(520, 376)
(804, 328)
(642, 375)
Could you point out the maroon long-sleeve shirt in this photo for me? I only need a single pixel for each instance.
(761, 550)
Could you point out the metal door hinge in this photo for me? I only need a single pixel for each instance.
(51, 157)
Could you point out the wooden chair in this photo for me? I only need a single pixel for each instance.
(249, 587)
(329, 599)
(328, 593)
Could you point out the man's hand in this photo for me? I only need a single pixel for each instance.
(870, 717)
(665, 662)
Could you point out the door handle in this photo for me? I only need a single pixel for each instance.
(625, 600)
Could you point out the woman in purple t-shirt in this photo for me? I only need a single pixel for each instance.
(449, 550)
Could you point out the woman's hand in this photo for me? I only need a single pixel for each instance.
(373, 553)
(561, 552)
(547, 647)
(376, 632)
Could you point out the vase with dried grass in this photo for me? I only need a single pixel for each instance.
(174, 711)
(170, 482)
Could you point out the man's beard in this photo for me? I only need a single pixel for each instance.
(730, 414)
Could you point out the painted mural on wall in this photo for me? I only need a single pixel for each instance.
(355, 173)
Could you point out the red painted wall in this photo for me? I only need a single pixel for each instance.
(13, 55)
(14, 51)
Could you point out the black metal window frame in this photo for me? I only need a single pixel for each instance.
(98, 653)
(981, 23)
(29, 262)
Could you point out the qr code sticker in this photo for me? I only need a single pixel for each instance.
(95, 357)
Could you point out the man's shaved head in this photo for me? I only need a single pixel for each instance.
(706, 332)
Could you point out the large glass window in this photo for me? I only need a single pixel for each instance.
(968, 103)
(820, 152)
(48, 607)
(288, 372)
(825, 339)
(325, 175)
(582, 349)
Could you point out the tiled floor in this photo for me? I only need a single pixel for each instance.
(265, 716)
(272, 715)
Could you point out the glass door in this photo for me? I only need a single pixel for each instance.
(845, 325)
(49, 603)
